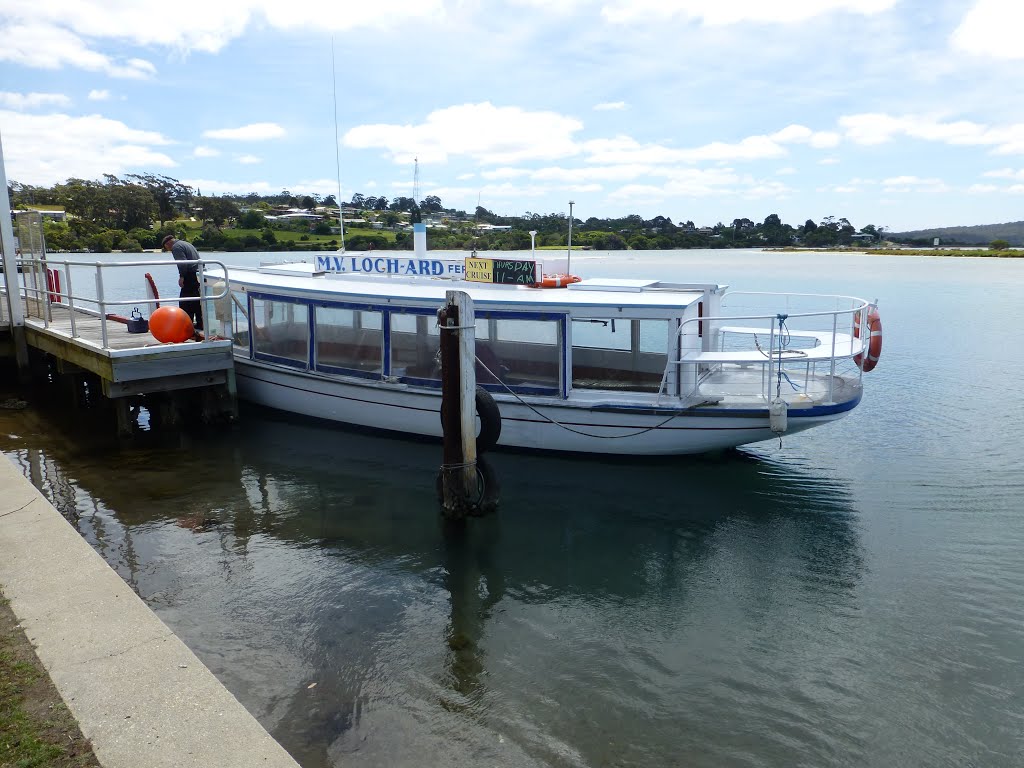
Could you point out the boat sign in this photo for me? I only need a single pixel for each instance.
(504, 271)
(390, 265)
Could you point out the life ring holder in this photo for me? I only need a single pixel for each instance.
(868, 363)
(557, 281)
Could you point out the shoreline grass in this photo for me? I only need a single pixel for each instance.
(36, 727)
(1009, 253)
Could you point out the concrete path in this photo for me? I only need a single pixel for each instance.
(139, 694)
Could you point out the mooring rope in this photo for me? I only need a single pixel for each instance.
(542, 415)
(565, 427)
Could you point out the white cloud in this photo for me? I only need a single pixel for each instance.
(829, 161)
(699, 184)
(23, 101)
(1010, 147)
(202, 151)
(47, 149)
(300, 187)
(721, 12)
(483, 132)
(345, 16)
(878, 128)
(248, 159)
(982, 189)
(787, 171)
(620, 172)
(1016, 189)
(49, 47)
(624, 149)
(1005, 173)
(213, 186)
(144, 23)
(913, 184)
(767, 189)
(638, 194)
(465, 176)
(251, 132)
(504, 173)
(992, 28)
(609, 106)
(793, 133)
(323, 186)
(799, 134)
(511, 191)
(99, 95)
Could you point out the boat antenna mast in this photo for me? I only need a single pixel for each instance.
(337, 145)
(415, 216)
(568, 255)
(416, 180)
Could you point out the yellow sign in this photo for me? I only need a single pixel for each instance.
(480, 270)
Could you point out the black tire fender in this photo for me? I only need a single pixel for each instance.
(490, 420)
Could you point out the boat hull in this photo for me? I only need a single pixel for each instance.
(554, 426)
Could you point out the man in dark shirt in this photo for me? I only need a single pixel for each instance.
(188, 277)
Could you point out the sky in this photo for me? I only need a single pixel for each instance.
(905, 114)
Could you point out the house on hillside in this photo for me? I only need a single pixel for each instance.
(54, 213)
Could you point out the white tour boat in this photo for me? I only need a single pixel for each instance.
(631, 366)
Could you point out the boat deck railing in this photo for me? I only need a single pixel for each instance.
(47, 288)
(795, 346)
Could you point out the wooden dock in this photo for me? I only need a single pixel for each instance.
(130, 369)
(130, 363)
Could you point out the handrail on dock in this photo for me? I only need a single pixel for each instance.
(46, 294)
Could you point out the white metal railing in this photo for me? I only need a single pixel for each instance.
(702, 345)
(41, 291)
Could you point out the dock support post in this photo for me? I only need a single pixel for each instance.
(458, 404)
(11, 279)
(125, 421)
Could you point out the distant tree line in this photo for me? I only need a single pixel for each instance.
(133, 212)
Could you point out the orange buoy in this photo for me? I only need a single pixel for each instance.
(171, 325)
(869, 362)
(557, 281)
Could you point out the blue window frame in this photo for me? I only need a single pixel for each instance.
(525, 351)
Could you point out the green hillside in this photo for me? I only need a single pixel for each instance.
(979, 234)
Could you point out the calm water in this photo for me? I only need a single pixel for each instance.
(853, 598)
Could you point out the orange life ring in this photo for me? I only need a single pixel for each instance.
(874, 345)
(557, 281)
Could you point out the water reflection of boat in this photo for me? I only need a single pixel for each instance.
(375, 496)
(551, 507)
(325, 562)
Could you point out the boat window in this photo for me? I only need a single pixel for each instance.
(280, 330)
(239, 320)
(619, 354)
(523, 354)
(415, 342)
(349, 339)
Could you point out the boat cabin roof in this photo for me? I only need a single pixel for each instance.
(304, 281)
